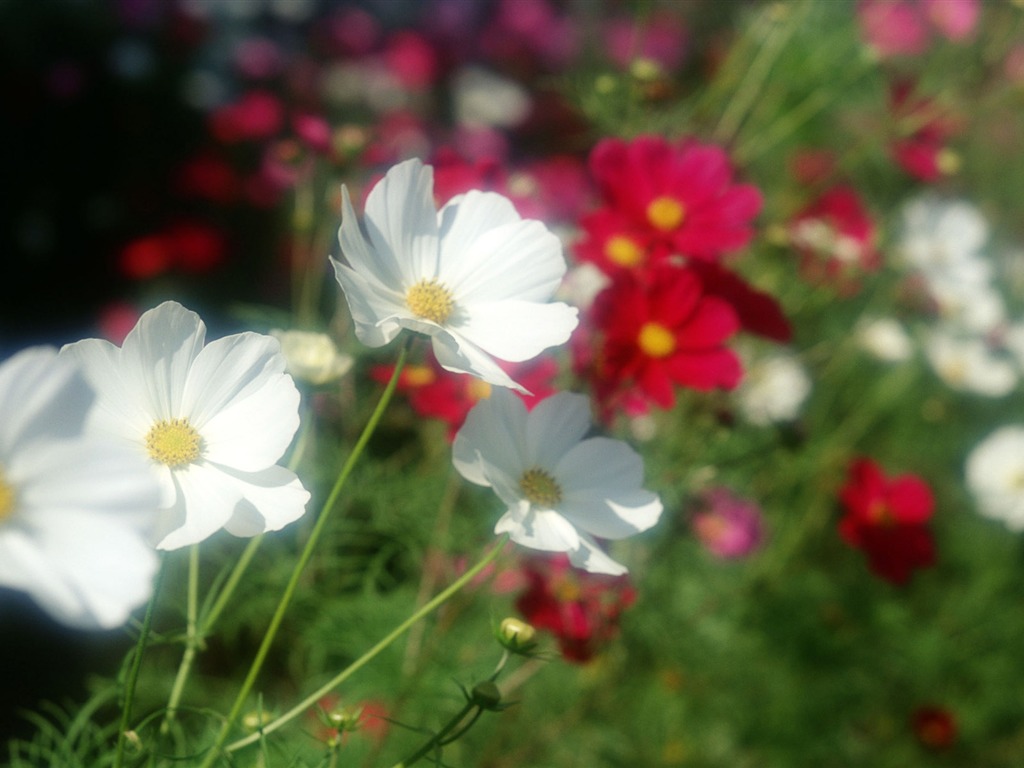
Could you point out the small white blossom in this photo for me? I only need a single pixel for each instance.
(886, 339)
(969, 364)
(475, 277)
(938, 234)
(212, 419)
(560, 489)
(484, 98)
(995, 475)
(773, 390)
(75, 511)
(311, 356)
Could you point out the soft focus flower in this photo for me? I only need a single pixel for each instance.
(312, 357)
(773, 390)
(75, 510)
(935, 727)
(887, 519)
(663, 333)
(475, 277)
(581, 610)
(681, 196)
(970, 364)
(904, 27)
(995, 475)
(835, 237)
(728, 525)
(886, 339)
(213, 421)
(560, 490)
(438, 394)
(921, 145)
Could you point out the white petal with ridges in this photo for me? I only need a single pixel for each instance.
(517, 330)
(401, 220)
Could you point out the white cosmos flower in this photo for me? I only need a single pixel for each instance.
(995, 475)
(213, 421)
(75, 511)
(773, 390)
(475, 277)
(969, 364)
(560, 490)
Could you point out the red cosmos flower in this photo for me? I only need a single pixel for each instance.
(580, 609)
(660, 332)
(887, 517)
(922, 150)
(934, 727)
(436, 393)
(682, 195)
(835, 236)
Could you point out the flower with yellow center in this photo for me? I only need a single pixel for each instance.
(559, 489)
(75, 510)
(475, 276)
(212, 419)
(995, 476)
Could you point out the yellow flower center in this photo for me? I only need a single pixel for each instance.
(656, 340)
(418, 375)
(540, 488)
(623, 251)
(173, 442)
(8, 497)
(665, 213)
(478, 390)
(430, 300)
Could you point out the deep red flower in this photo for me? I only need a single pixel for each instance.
(436, 393)
(682, 194)
(887, 518)
(835, 237)
(657, 333)
(922, 148)
(934, 727)
(580, 609)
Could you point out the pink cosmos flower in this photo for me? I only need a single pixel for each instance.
(728, 525)
(681, 194)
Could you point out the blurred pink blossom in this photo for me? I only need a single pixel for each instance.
(660, 38)
(728, 525)
(904, 27)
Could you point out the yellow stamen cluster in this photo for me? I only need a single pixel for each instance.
(430, 300)
(623, 251)
(174, 442)
(479, 390)
(665, 213)
(8, 497)
(656, 340)
(540, 488)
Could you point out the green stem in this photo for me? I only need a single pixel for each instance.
(355, 666)
(438, 738)
(133, 671)
(192, 639)
(307, 553)
(236, 576)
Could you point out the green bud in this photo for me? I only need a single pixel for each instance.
(486, 696)
(516, 635)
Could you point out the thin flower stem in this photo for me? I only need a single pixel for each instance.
(192, 639)
(304, 557)
(355, 666)
(133, 671)
(236, 576)
(438, 738)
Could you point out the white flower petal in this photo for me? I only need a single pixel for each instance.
(541, 529)
(521, 260)
(495, 436)
(460, 355)
(464, 219)
(592, 558)
(537, 327)
(123, 408)
(242, 403)
(553, 427)
(401, 221)
(358, 254)
(271, 499)
(40, 395)
(377, 311)
(205, 501)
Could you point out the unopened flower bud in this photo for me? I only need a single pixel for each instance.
(254, 721)
(133, 739)
(345, 718)
(312, 357)
(516, 635)
(486, 696)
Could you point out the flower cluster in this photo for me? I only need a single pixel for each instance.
(671, 212)
(887, 518)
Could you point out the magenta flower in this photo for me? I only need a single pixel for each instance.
(728, 525)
